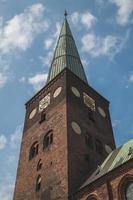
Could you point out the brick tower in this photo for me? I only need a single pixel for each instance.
(67, 131)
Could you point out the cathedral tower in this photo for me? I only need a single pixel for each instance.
(67, 131)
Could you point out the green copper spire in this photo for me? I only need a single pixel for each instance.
(66, 54)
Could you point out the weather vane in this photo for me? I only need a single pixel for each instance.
(65, 14)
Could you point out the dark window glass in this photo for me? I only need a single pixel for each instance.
(43, 117)
(89, 140)
(48, 139)
(99, 146)
(33, 150)
(91, 198)
(87, 158)
(91, 115)
(129, 192)
(51, 138)
(39, 165)
(38, 183)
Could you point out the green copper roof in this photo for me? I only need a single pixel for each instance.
(66, 55)
(114, 159)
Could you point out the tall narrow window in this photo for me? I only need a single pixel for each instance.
(99, 146)
(33, 150)
(48, 139)
(38, 183)
(43, 117)
(39, 165)
(89, 140)
(91, 115)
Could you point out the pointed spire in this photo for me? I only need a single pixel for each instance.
(66, 54)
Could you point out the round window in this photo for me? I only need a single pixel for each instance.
(108, 148)
(76, 128)
(102, 112)
(75, 91)
(57, 92)
(32, 114)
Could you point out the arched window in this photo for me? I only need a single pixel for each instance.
(39, 165)
(38, 183)
(129, 191)
(91, 115)
(48, 139)
(99, 146)
(125, 188)
(33, 150)
(43, 117)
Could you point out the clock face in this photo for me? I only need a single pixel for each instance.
(76, 128)
(89, 102)
(57, 92)
(32, 114)
(75, 91)
(102, 112)
(108, 148)
(44, 103)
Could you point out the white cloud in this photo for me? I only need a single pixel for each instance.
(103, 46)
(84, 62)
(125, 9)
(1, 24)
(37, 9)
(11, 158)
(75, 17)
(22, 79)
(131, 78)
(3, 80)
(38, 81)
(19, 32)
(6, 191)
(116, 123)
(86, 19)
(57, 30)
(16, 137)
(3, 1)
(46, 60)
(4, 67)
(100, 2)
(48, 43)
(3, 141)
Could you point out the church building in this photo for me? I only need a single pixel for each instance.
(68, 150)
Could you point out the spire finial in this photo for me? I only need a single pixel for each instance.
(65, 14)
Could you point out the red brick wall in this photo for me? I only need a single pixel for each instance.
(54, 170)
(79, 168)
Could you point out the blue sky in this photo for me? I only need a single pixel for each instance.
(103, 30)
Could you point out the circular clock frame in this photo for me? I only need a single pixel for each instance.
(57, 92)
(32, 113)
(108, 148)
(75, 91)
(102, 112)
(76, 128)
